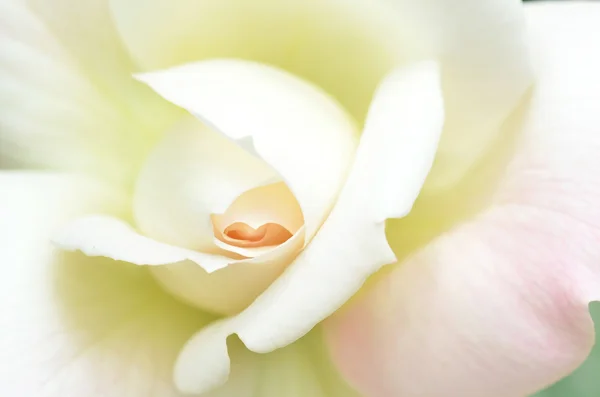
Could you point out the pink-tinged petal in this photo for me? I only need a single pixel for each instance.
(498, 306)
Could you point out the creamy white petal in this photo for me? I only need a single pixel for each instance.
(350, 246)
(293, 126)
(98, 235)
(67, 100)
(193, 173)
(398, 160)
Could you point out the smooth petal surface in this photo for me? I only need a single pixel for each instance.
(498, 306)
(351, 244)
(348, 46)
(294, 127)
(67, 100)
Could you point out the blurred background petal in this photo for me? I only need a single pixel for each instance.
(67, 98)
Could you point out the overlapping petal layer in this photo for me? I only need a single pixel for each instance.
(351, 244)
(348, 46)
(76, 326)
(562, 211)
(344, 46)
(498, 306)
(304, 135)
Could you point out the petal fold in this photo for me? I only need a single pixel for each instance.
(97, 235)
(350, 246)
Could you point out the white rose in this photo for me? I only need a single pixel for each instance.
(249, 158)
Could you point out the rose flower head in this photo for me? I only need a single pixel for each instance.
(232, 198)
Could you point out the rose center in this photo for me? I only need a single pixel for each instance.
(258, 220)
(241, 234)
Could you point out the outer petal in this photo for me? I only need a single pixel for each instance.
(350, 245)
(499, 305)
(67, 99)
(348, 46)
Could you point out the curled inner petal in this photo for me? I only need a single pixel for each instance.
(243, 235)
